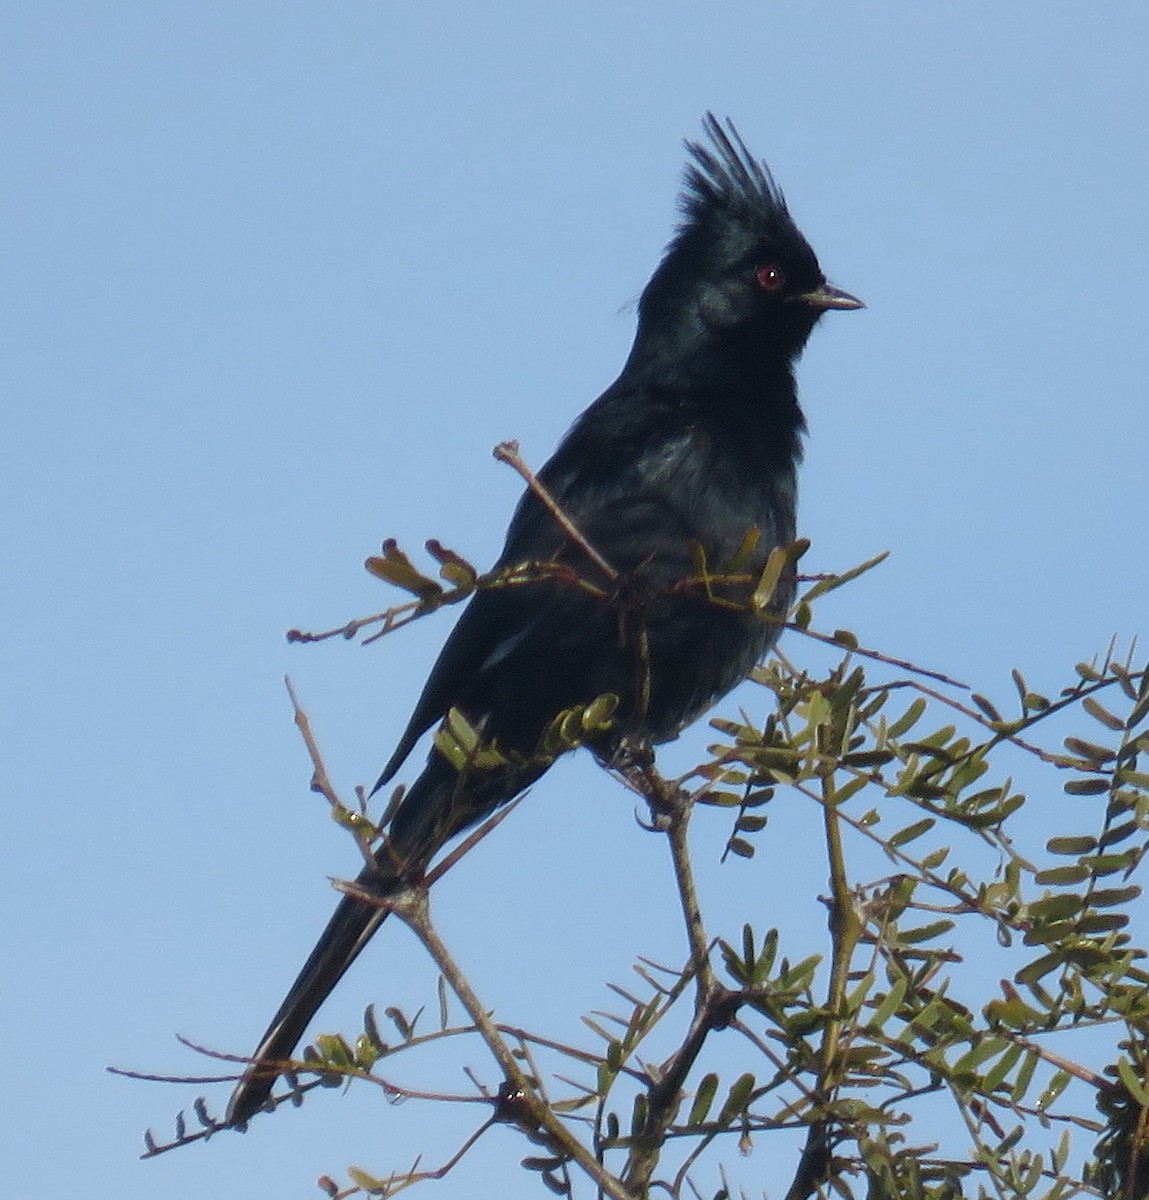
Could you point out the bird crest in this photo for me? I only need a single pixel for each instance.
(725, 182)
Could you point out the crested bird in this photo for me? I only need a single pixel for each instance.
(690, 457)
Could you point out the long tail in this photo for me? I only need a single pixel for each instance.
(417, 833)
(348, 931)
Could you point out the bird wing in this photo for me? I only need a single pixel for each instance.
(492, 624)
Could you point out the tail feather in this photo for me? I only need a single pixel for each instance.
(413, 842)
(348, 931)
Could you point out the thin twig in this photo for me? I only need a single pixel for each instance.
(714, 1005)
(1027, 722)
(320, 781)
(356, 822)
(903, 664)
(664, 1097)
(672, 808)
(472, 840)
(508, 452)
(412, 908)
(845, 930)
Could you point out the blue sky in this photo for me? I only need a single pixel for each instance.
(277, 278)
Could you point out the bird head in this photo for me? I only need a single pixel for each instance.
(738, 272)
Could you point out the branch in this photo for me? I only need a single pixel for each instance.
(357, 822)
(508, 452)
(519, 1101)
(714, 1006)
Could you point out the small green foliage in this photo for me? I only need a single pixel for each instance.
(763, 594)
(703, 1099)
(394, 567)
(455, 570)
(574, 727)
(885, 1040)
(737, 1098)
(461, 744)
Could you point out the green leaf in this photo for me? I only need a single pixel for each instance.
(335, 1050)
(369, 1183)
(1109, 864)
(1089, 750)
(737, 1100)
(836, 581)
(1058, 907)
(908, 719)
(1043, 935)
(1094, 923)
(1059, 1156)
(764, 964)
(1107, 897)
(1118, 834)
(1134, 1080)
(464, 733)
(1071, 845)
(450, 750)
(453, 568)
(747, 944)
(799, 975)
(935, 858)
(1098, 713)
(396, 568)
(1140, 710)
(724, 799)
(995, 1076)
(703, 1099)
(861, 759)
(1039, 968)
(1013, 1013)
(599, 713)
(366, 1052)
(920, 788)
(890, 1003)
(925, 933)
(936, 741)
(912, 832)
(857, 997)
(968, 773)
(768, 581)
(986, 1047)
(741, 557)
(1062, 876)
(1054, 1088)
(1024, 1076)
(986, 707)
(990, 797)
(460, 744)
(1087, 787)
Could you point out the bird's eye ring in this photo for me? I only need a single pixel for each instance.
(771, 278)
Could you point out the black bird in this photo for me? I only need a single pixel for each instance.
(690, 457)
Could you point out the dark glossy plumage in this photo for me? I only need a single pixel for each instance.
(696, 444)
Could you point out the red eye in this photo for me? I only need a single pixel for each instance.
(771, 278)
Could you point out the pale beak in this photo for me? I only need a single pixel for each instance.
(829, 297)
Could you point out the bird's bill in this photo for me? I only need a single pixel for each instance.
(829, 297)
